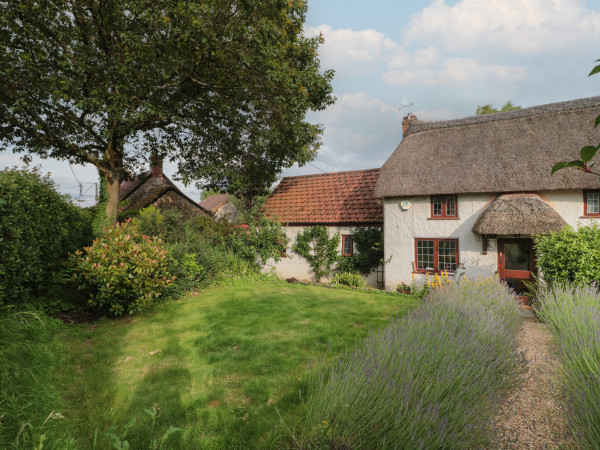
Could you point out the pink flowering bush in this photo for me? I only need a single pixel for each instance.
(122, 270)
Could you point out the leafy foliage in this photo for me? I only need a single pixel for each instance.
(349, 279)
(122, 270)
(489, 108)
(587, 152)
(221, 87)
(38, 228)
(570, 255)
(321, 251)
(369, 251)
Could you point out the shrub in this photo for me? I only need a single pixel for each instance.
(122, 270)
(38, 227)
(431, 379)
(573, 313)
(570, 255)
(321, 251)
(349, 279)
(369, 251)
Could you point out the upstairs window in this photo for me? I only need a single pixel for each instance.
(444, 207)
(347, 245)
(436, 255)
(591, 203)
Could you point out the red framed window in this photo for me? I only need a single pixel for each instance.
(591, 203)
(347, 245)
(435, 255)
(444, 207)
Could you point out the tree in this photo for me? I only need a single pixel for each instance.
(221, 87)
(489, 108)
(321, 251)
(587, 152)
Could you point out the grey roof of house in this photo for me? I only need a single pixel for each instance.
(510, 151)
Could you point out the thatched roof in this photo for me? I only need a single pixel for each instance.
(518, 214)
(511, 151)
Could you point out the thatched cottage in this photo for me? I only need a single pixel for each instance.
(342, 201)
(469, 193)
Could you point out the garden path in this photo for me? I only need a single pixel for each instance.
(534, 416)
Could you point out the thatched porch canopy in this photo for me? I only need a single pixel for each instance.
(518, 214)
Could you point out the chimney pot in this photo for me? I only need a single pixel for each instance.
(406, 121)
(156, 163)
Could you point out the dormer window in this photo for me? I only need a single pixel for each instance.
(444, 207)
(591, 203)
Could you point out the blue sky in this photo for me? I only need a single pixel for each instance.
(436, 59)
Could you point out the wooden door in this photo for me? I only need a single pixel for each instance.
(516, 262)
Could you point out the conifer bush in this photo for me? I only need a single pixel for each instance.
(123, 270)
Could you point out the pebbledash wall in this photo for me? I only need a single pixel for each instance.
(402, 227)
(295, 266)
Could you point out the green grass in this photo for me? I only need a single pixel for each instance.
(227, 362)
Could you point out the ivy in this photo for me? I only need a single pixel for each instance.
(369, 251)
(321, 251)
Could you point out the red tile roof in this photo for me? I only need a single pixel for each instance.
(214, 202)
(329, 198)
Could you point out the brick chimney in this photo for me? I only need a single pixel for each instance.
(406, 122)
(156, 164)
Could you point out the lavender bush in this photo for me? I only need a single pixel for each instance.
(573, 313)
(431, 379)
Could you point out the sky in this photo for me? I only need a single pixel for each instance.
(436, 59)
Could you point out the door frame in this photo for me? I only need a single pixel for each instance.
(519, 274)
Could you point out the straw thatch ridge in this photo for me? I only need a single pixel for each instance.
(518, 214)
(511, 151)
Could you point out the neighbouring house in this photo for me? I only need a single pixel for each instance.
(155, 188)
(469, 193)
(221, 207)
(342, 201)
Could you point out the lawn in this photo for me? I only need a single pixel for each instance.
(221, 365)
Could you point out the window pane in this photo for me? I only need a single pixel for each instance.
(447, 255)
(450, 206)
(437, 206)
(593, 202)
(347, 249)
(425, 255)
(517, 255)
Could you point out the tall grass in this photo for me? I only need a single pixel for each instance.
(30, 402)
(428, 380)
(573, 313)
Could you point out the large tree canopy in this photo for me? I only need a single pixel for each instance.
(219, 86)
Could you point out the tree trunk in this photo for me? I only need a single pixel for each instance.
(113, 185)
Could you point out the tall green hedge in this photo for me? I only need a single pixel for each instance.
(38, 228)
(570, 255)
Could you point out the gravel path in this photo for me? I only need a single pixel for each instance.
(534, 416)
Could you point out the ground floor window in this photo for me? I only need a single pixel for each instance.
(436, 255)
(347, 245)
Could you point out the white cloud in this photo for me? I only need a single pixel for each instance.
(352, 52)
(454, 71)
(522, 26)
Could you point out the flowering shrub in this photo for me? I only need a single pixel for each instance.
(573, 313)
(431, 379)
(122, 270)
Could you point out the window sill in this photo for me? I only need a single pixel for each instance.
(432, 272)
(590, 217)
(443, 218)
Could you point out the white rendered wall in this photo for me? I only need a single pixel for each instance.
(297, 267)
(401, 228)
